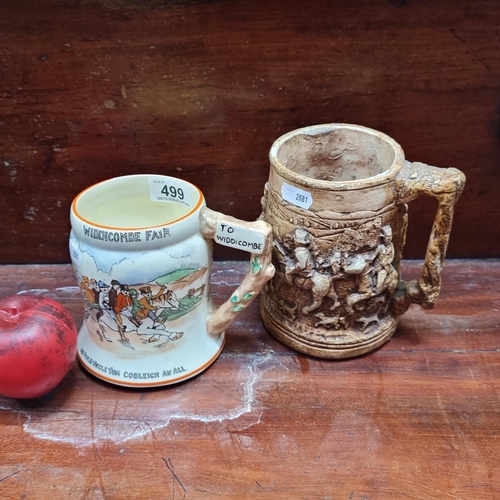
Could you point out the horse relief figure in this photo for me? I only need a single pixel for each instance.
(357, 277)
(301, 268)
(376, 273)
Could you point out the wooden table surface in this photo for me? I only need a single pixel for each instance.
(418, 418)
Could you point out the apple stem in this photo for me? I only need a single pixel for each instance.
(13, 311)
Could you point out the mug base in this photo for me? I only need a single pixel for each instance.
(339, 351)
(174, 367)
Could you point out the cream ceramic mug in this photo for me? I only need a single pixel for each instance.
(337, 200)
(141, 248)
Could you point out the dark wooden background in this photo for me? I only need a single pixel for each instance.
(201, 89)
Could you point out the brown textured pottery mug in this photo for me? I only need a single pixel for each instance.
(337, 200)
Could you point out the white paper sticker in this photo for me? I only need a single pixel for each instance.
(242, 238)
(172, 190)
(297, 196)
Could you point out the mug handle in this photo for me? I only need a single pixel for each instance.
(260, 271)
(446, 185)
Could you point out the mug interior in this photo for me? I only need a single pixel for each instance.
(346, 153)
(130, 202)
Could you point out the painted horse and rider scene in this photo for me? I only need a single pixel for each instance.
(144, 313)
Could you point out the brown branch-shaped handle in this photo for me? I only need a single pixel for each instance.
(446, 185)
(255, 237)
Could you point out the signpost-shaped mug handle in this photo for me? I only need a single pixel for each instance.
(446, 185)
(255, 237)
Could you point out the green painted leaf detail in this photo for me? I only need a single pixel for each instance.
(237, 309)
(247, 296)
(235, 298)
(256, 267)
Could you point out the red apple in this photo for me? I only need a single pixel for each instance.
(37, 345)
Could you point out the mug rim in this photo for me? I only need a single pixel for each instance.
(75, 212)
(384, 177)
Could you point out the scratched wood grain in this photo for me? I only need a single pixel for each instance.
(418, 418)
(91, 89)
